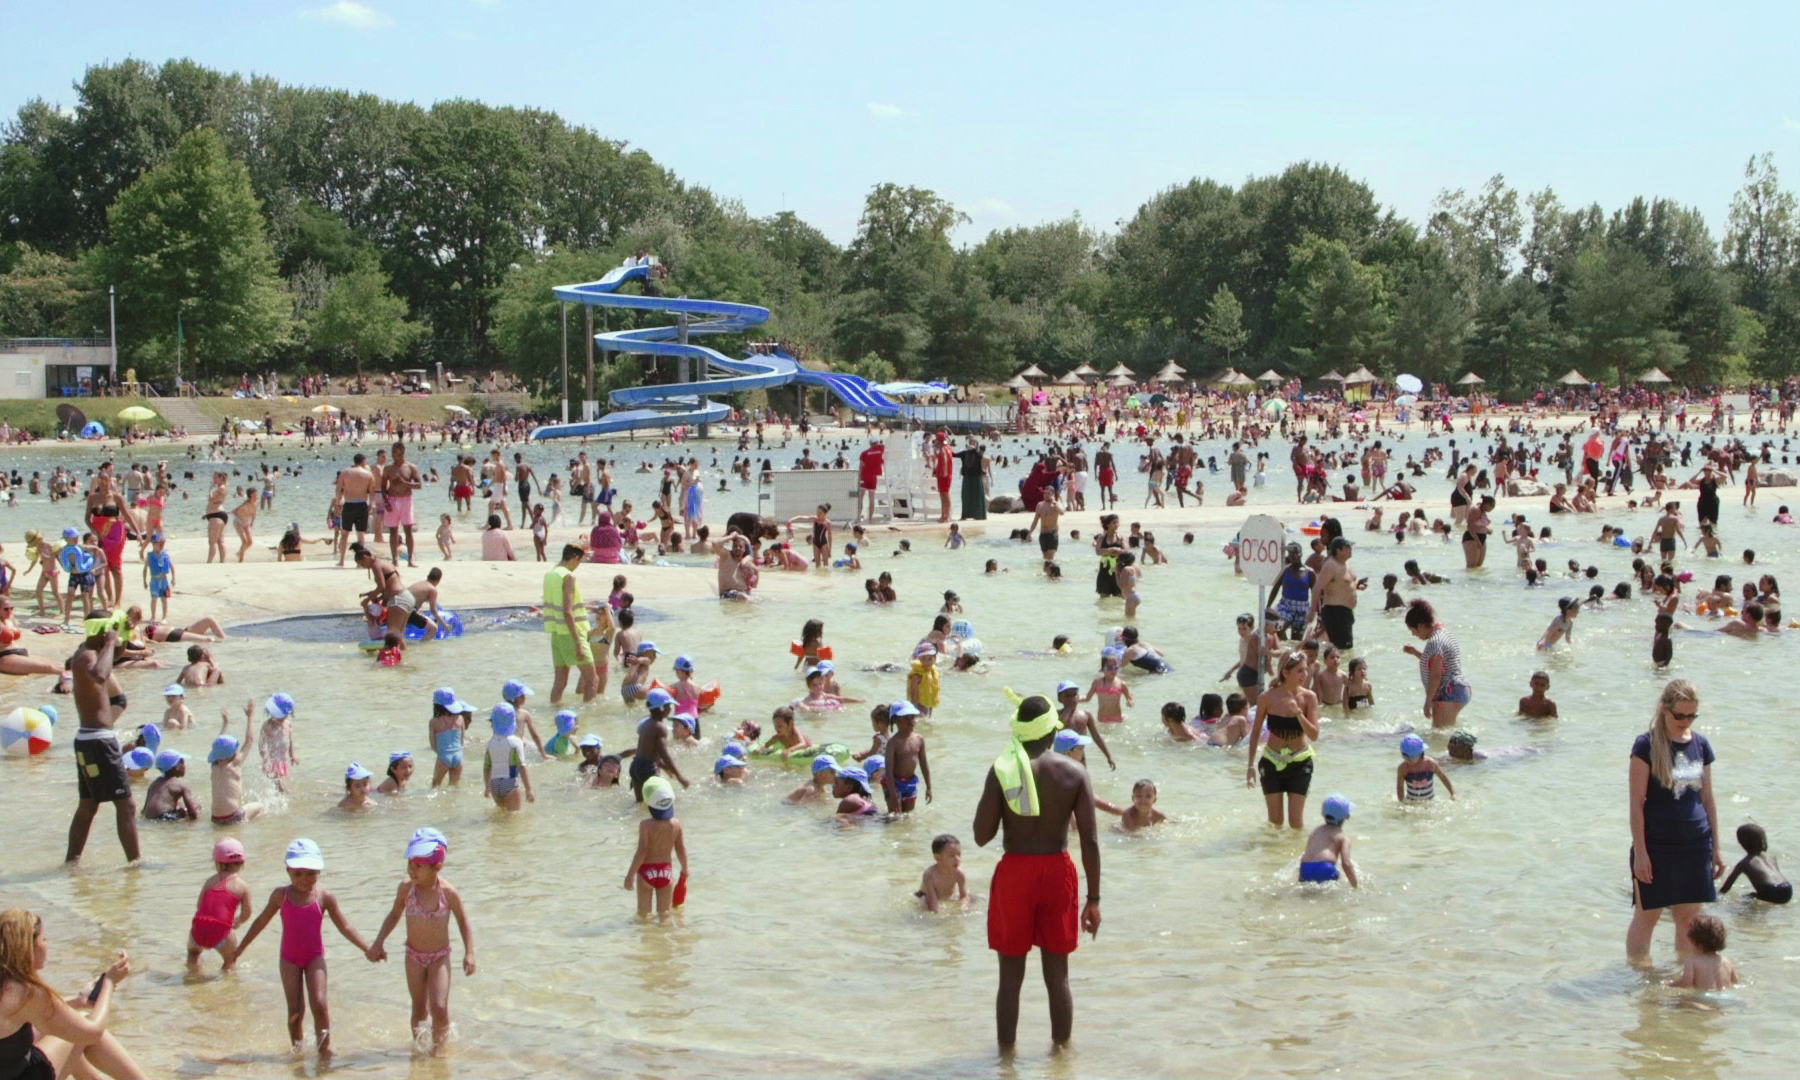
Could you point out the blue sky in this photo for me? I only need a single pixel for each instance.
(1026, 112)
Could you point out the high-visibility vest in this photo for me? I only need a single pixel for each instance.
(554, 616)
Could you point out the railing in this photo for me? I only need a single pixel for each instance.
(59, 343)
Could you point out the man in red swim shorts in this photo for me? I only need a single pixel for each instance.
(1029, 797)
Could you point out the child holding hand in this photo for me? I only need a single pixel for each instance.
(223, 907)
(303, 905)
(428, 902)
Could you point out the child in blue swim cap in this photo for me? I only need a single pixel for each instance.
(1328, 847)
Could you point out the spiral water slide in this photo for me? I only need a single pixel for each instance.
(679, 404)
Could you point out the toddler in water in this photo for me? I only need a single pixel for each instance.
(446, 537)
(176, 716)
(391, 653)
(1142, 813)
(1537, 705)
(227, 761)
(278, 757)
(1770, 885)
(824, 778)
(1413, 778)
(303, 905)
(1662, 646)
(956, 541)
(1394, 601)
(943, 879)
(923, 685)
(356, 788)
(881, 723)
(1109, 689)
(788, 737)
(428, 902)
(1704, 969)
(1231, 730)
(562, 744)
(1357, 691)
(1174, 719)
(659, 838)
(224, 906)
(1329, 845)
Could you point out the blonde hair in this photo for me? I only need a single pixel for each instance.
(1662, 752)
(1292, 658)
(19, 931)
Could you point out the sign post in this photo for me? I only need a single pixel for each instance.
(1261, 554)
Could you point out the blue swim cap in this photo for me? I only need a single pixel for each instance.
(505, 719)
(1412, 746)
(140, 758)
(902, 708)
(824, 763)
(591, 740)
(726, 761)
(826, 667)
(659, 699)
(1068, 739)
(684, 663)
(1065, 686)
(357, 772)
(514, 690)
(856, 775)
(152, 736)
(443, 697)
(873, 764)
(567, 721)
(1337, 809)
(169, 760)
(735, 750)
(224, 748)
(279, 706)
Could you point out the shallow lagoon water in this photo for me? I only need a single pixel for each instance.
(1489, 929)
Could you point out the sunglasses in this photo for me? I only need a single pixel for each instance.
(1688, 715)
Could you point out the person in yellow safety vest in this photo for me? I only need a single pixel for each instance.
(566, 618)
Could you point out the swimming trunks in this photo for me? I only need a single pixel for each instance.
(1339, 623)
(462, 492)
(907, 789)
(1048, 541)
(1033, 902)
(399, 512)
(100, 766)
(212, 923)
(502, 786)
(657, 875)
(302, 936)
(232, 818)
(1318, 871)
(643, 767)
(355, 516)
(1248, 677)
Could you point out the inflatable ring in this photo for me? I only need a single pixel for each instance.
(1312, 530)
(798, 649)
(802, 758)
(1622, 541)
(709, 694)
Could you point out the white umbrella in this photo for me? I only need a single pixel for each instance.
(1654, 375)
(1121, 369)
(1406, 399)
(1574, 378)
(1270, 375)
(326, 409)
(1085, 371)
(1471, 379)
(456, 409)
(1409, 383)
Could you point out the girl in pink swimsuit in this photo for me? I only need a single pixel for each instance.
(303, 906)
(1109, 689)
(427, 901)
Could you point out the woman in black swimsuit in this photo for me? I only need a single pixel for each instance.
(1285, 765)
(1474, 537)
(1109, 545)
(1459, 495)
(45, 1036)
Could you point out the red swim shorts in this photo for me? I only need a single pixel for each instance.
(1033, 901)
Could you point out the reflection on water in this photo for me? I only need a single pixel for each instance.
(1490, 928)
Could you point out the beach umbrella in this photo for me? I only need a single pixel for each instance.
(26, 732)
(1331, 376)
(71, 418)
(1171, 373)
(1121, 380)
(1018, 382)
(1270, 375)
(1409, 383)
(1574, 378)
(1471, 379)
(1132, 402)
(326, 409)
(1034, 372)
(1160, 399)
(137, 412)
(1406, 399)
(1071, 379)
(1085, 372)
(1654, 375)
(1359, 376)
(1121, 369)
(1275, 406)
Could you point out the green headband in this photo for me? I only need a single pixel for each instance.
(1044, 723)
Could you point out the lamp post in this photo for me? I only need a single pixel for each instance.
(112, 340)
(565, 361)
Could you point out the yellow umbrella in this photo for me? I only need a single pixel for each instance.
(137, 412)
(326, 409)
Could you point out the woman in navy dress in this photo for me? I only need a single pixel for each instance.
(1674, 822)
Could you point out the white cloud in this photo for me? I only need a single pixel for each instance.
(994, 208)
(885, 110)
(350, 13)
(1788, 123)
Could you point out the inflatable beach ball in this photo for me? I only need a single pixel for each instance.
(26, 732)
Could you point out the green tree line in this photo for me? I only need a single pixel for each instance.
(316, 229)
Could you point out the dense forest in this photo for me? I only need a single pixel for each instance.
(324, 230)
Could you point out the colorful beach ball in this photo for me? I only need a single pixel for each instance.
(26, 732)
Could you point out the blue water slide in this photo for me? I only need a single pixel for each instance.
(676, 404)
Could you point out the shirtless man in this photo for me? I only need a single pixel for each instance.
(216, 517)
(1045, 522)
(1748, 624)
(462, 484)
(411, 603)
(526, 477)
(733, 581)
(354, 486)
(754, 528)
(495, 471)
(581, 485)
(99, 765)
(399, 480)
(1032, 901)
(1668, 529)
(653, 744)
(1334, 596)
